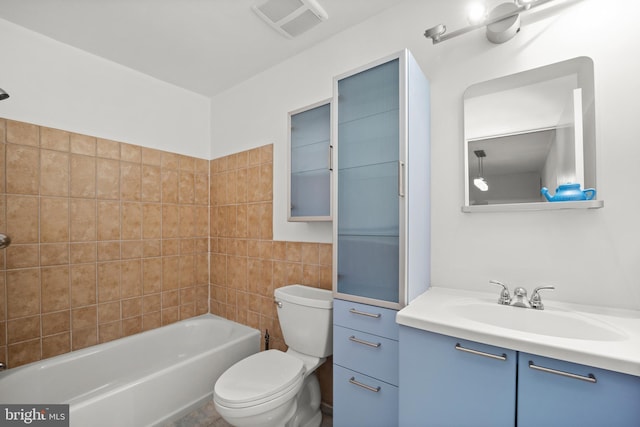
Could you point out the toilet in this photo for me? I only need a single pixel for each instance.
(279, 389)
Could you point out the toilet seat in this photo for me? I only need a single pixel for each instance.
(260, 378)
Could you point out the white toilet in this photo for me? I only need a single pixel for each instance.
(278, 389)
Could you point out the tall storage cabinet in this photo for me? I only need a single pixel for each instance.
(380, 230)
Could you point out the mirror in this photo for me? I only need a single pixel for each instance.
(530, 130)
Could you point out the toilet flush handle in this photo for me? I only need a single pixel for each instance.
(278, 303)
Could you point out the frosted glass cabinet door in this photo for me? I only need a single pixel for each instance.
(310, 169)
(368, 199)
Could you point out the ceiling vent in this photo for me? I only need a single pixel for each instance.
(291, 17)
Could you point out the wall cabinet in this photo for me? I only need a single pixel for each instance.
(446, 381)
(381, 155)
(381, 135)
(310, 167)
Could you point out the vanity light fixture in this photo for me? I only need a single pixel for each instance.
(480, 182)
(3, 94)
(502, 23)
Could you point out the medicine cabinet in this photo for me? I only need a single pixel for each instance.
(310, 169)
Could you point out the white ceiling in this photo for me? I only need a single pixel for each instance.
(205, 46)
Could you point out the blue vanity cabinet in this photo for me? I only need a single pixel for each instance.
(365, 365)
(381, 190)
(555, 393)
(450, 382)
(310, 163)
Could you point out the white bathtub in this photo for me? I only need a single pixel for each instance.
(141, 380)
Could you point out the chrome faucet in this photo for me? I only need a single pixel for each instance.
(519, 298)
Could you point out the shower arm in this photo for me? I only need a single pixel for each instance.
(440, 38)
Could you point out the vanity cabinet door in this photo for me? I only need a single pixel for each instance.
(363, 401)
(554, 393)
(449, 382)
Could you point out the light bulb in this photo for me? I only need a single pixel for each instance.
(481, 183)
(476, 12)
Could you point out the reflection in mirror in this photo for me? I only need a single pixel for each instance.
(527, 131)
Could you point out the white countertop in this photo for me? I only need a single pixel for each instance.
(451, 312)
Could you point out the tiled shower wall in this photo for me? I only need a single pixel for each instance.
(246, 263)
(109, 239)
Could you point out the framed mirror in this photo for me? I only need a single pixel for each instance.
(527, 131)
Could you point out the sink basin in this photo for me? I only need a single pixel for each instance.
(549, 322)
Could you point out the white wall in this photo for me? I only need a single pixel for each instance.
(55, 85)
(592, 256)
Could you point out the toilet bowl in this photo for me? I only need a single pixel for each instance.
(274, 388)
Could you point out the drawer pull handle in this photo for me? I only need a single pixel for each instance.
(369, 343)
(502, 357)
(589, 378)
(364, 313)
(352, 380)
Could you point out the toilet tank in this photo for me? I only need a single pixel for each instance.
(306, 319)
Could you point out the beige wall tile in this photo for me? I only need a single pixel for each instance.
(151, 303)
(131, 181)
(187, 163)
(23, 329)
(108, 220)
(131, 221)
(82, 144)
(22, 218)
(107, 179)
(24, 352)
(108, 149)
(130, 153)
(83, 176)
(84, 317)
(151, 156)
(186, 187)
(83, 338)
(170, 270)
(170, 160)
(152, 275)
(151, 221)
(82, 252)
(56, 344)
(54, 220)
(83, 220)
(54, 139)
(170, 221)
(3, 151)
(55, 323)
(22, 133)
(22, 169)
(108, 281)
(186, 220)
(132, 325)
(54, 173)
(83, 285)
(169, 186)
(131, 283)
(131, 307)
(151, 184)
(151, 321)
(23, 293)
(131, 249)
(109, 312)
(54, 254)
(55, 288)
(22, 256)
(109, 251)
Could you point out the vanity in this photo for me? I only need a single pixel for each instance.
(466, 360)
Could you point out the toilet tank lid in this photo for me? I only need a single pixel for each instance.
(305, 295)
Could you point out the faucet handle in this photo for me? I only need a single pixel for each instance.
(536, 301)
(505, 297)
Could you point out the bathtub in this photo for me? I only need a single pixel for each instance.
(146, 379)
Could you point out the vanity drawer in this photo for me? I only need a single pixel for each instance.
(366, 318)
(359, 400)
(366, 353)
